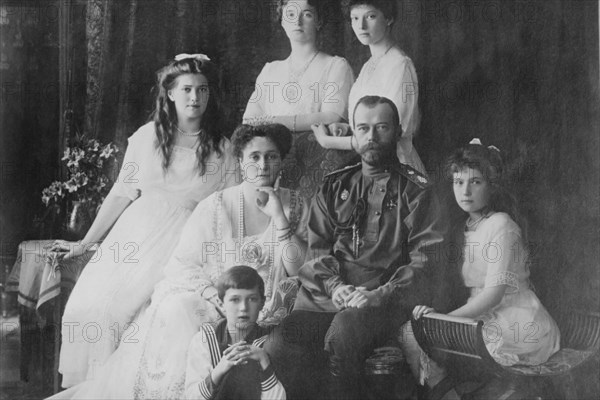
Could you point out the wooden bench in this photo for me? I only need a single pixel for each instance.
(460, 340)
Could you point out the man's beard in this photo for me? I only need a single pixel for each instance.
(376, 154)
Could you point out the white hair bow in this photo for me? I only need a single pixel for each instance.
(183, 56)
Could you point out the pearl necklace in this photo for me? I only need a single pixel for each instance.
(473, 224)
(246, 254)
(296, 76)
(374, 61)
(188, 134)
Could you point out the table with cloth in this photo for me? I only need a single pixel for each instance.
(43, 289)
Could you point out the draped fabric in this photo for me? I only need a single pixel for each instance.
(522, 75)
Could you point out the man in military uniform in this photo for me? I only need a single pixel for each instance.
(372, 229)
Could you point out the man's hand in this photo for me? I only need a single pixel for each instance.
(340, 296)
(362, 298)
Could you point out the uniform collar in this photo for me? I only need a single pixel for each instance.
(372, 171)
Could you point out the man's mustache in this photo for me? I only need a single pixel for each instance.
(373, 146)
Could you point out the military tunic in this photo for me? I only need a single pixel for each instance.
(371, 229)
(375, 229)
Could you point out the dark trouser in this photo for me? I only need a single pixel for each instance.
(309, 346)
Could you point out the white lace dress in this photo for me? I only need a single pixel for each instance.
(151, 359)
(120, 277)
(519, 330)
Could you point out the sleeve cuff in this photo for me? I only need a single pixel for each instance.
(332, 284)
(268, 379)
(385, 291)
(503, 278)
(206, 387)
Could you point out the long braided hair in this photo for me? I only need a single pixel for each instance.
(165, 115)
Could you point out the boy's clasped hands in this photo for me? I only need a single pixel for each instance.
(238, 354)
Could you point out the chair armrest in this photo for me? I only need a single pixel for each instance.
(580, 329)
(454, 335)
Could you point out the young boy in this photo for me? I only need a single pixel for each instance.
(226, 359)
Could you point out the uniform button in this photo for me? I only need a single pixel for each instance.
(381, 190)
(377, 212)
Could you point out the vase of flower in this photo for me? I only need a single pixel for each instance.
(79, 219)
(76, 199)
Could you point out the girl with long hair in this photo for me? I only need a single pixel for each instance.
(495, 269)
(172, 162)
(258, 224)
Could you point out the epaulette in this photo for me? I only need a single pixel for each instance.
(414, 176)
(345, 169)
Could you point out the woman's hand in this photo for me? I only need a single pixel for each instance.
(339, 129)
(334, 142)
(67, 250)
(419, 311)
(216, 301)
(323, 135)
(269, 202)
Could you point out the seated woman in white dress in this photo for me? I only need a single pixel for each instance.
(171, 163)
(306, 88)
(388, 73)
(256, 223)
(495, 268)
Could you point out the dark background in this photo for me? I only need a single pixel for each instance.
(522, 75)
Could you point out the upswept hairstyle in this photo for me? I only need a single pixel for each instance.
(276, 133)
(165, 115)
(319, 6)
(372, 101)
(389, 8)
(489, 162)
(240, 277)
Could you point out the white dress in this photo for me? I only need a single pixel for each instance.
(151, 360)
(393, 76)
(120, 277)
(519, 330)
(322, 88)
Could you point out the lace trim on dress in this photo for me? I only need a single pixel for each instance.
(503, 278)
(150, 379)
(217, 218)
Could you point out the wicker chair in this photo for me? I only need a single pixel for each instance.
(460, 340)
